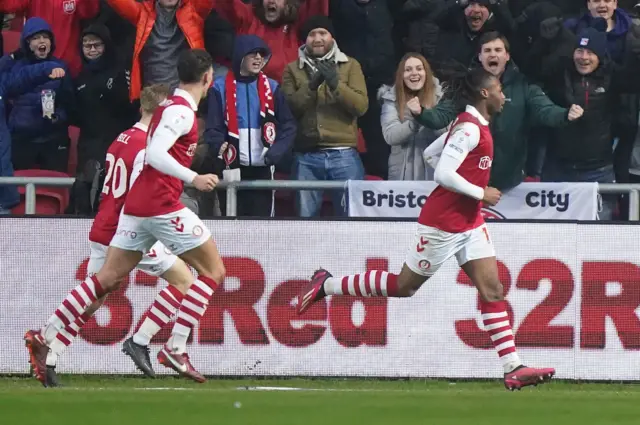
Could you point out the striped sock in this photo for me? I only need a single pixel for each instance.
(374, 283)
(64, 338)
(496, 322)
(73, 306)
(191, 310)
(162, 310)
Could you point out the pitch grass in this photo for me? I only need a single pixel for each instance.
(89, 400)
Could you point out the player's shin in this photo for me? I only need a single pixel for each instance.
(192, 308)
(65, 337)
(73, 307)
(374, 283)
(496, 323)
(164, 307)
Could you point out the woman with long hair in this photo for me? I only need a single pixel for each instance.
(415, 88)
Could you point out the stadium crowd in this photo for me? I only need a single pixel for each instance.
(325, 89)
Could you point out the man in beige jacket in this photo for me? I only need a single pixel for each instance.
(326, 92)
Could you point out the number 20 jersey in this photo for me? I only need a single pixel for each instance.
(121, 156)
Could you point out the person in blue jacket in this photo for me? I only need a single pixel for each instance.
(13, 83)
(38, 119)
(249, 124)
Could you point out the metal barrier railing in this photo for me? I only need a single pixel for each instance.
(30, 183)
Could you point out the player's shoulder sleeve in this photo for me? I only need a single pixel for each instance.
(178, 119)
(463, 139)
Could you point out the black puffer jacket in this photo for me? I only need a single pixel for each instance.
(364, 31)
(587, 143)
(102, 96)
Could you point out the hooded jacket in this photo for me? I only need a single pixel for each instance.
(14, 83)
(26, 120)
(248, 107)
(65, 17)
(102, 108)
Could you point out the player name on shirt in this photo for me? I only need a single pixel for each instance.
(126, 151)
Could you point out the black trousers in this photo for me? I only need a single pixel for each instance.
(251, 203)
(50, 154)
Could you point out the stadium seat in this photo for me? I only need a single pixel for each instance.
(362, 144)
(11, 41)
(49, 200)
(74, 134)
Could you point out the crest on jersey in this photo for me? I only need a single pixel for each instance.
(192, 149)
(69, 6)
(230, 154)
(269, 131)
(485, 163)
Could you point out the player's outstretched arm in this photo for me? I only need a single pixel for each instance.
(464, 138)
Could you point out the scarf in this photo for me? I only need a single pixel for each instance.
(267, 117)
(305, 59)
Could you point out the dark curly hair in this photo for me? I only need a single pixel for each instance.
(288, 17)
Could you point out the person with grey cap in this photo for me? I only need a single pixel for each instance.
(327, 94)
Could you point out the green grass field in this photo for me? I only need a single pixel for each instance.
(128, 401)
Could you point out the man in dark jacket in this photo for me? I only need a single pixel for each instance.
(103, 109)
(12, 84)
(525, 106)
(39, 118)
(461, 25)
(249, 123)
(583, 151)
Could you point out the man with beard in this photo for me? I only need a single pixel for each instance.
(526, 106)
(327, 94)
(277, 22)
(164, 29)
(39, 120)
(249, 123)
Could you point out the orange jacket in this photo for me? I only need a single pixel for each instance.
(190, 16)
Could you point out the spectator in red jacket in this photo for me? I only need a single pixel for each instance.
(64, 16)
(275, 21)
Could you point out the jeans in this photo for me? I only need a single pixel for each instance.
(4, 211)
(329, 164)
(556, 172)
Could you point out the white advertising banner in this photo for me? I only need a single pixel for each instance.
(541, 201)
(572, 289)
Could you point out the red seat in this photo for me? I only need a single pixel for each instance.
(17, 23)
(362, 144)
(74, 134)
(49, 200)
(11, 41)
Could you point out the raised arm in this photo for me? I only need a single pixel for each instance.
(18, 82)
(238, 13)
(128, 9)
(14, 6)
